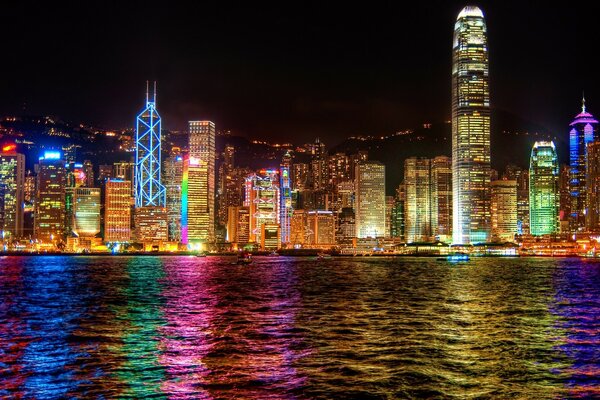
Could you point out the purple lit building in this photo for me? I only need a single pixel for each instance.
(583, 131)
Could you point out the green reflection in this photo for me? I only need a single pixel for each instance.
(142, 319)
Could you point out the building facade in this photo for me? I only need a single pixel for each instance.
(504, 210)
(49, 220)
(370, 199)
(12, 182)
(543, 189)
(117, 211)
(470, 129)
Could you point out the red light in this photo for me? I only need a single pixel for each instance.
(9, 148)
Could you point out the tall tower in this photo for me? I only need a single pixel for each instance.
(12, 183)
(583, 131)
(417, 184)
(149, 191)
(49, 222)
(285, 208)
(370, 199)
(202, 151)
(543, 189)
(470, 129)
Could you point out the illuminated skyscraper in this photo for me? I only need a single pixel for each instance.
(149, 190)
(194, 202)
(173, 175)
(470, 129)
(370, 199)
(417, 184)
(202, 150)
(543, 189)
(592, 217)
(238, 226)
(441, 198)
(12, 179)
(86, 211)
(285, 208)
(583, 131)
(262, 196)
(117, 211)
(321, 228)
(49, 222)
(504, 210)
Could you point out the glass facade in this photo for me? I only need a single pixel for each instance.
(370, 199)
(117, 211)
(417, 186)
(86, 211)
(470, 129)
(49, 222)
(12, 180)
(543, 189)
(504, 210)
(583, 131)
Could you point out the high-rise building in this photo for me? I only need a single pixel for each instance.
(504, 210)
(117, 211)
(583, 131)
(321, 225)
(543, 189)
(49, 222)
(389, 207)
(262, 197)
(470, 129)
(285, 199)
(441, 198)
(202, 149)
(88, 171)
(124, 170)
(592, 218)
(370, 199)
(173, 174)
(300, 176)
(345, 226)
(521, 176)
(105, 171)
(195, 203)
(238, 226)
(86, 211)
(565, 199)
(12, 197)
(151, 225)
(149, 190)
(417, 185)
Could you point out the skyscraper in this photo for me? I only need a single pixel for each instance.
(470, 129)
(592, 217)
(441, 198)
(285, 198)
(543, 189)
(117, 211)
(173, 174)
(583, 131)
(12, 179)
(262, 197)
(49, 222)
(149, 190)
(417, 185)
(370, 199)
(202, 150)
(504, 210)
(86, 211)
(194, 203)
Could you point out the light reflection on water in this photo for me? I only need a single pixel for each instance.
(185, 327)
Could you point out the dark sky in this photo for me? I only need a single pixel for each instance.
(290, 72)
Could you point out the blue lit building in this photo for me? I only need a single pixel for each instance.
(149, 191)
(583, 131)
(285, 209)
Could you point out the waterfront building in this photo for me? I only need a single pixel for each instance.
(262, 197)
(117, 211)
(389, 206)
(543, 189)
(173, 176)
(285, 199)
(583, 130)
(592, 218)
(470, 129)
(86, 212)
(345, 226)
(441, 198)
(149, 190)
(504, 210)
(321, 228)
(417, 186)
(12, 197)
(565, 198)
(370, 199)
(151, 225)
(202, 149)
(298, 228)
(49, 219)
(238, 226)
(195, 203)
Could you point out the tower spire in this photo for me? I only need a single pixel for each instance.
(147, 86)
(154, 97)
(583, 102)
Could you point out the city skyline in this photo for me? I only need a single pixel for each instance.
(259, 88)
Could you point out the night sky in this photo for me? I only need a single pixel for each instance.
(293, 72)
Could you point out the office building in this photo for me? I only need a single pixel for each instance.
(370, 199)
(543, 189)
(117, 211)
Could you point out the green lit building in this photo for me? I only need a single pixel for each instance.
(543, 189)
